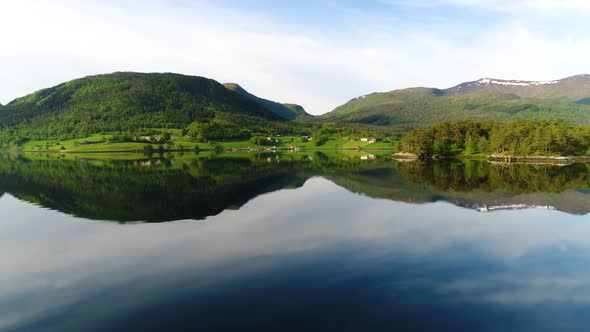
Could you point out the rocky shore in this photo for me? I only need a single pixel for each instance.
(559, 160)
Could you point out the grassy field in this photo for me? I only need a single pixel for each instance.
(100, 144)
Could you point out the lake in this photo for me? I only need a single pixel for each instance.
(291, 242)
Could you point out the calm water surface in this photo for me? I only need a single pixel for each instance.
(291, 243)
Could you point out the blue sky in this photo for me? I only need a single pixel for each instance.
(316, 53)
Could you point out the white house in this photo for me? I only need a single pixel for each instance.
(369, 139)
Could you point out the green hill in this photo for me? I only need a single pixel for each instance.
(285, 111)
(128, 101)
(480, 100)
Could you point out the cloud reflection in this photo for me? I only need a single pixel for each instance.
(51, 261)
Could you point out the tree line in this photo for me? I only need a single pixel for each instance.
(521, 137)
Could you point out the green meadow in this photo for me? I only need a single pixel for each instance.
(101, 143)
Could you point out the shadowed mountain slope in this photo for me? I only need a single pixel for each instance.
(285, 111)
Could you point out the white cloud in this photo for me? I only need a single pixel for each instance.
(48, 42)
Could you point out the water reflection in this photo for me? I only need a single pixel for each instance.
(317, 258)
(193, 187)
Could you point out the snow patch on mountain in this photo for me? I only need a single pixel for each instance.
(485, 208)
(488, 81)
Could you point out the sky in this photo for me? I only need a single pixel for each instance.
(319, 54)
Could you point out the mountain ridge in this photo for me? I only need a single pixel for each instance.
(287, 111)
(494, 99)
(130, 102)
(573, 88)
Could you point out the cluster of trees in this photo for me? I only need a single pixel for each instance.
(522, 137)
(260, 140)
(242, 127)
(322, 135)
(218, 130)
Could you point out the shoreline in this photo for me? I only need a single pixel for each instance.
(556, 160)
(156, 151)
(504, 159)
(403, 157)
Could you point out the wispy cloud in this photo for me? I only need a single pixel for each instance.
(281, 58)
(498, 5)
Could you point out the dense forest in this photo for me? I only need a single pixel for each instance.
(523, 137)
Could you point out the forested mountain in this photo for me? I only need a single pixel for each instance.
(125, 101)
(567, 99)
(285, 111)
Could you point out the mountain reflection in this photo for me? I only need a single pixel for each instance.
(178, 187)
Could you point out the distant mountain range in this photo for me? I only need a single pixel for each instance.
(487, 98)
(127, 101)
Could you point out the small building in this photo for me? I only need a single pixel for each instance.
(368, 157)
(369, 139)
(149, 138)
